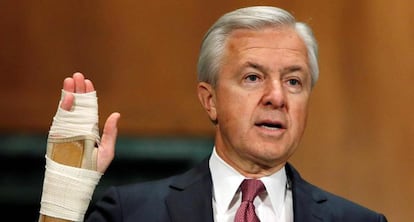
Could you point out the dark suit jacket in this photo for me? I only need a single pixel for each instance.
(188, 198)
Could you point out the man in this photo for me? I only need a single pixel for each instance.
(256, 71)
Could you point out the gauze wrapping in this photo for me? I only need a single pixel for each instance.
(82, 119)
(67, 191)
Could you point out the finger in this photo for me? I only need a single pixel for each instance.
(89, 86)
(106, 150)
(79, 82)
(67, 101)
(69, 84)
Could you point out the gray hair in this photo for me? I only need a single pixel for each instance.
(255, 18)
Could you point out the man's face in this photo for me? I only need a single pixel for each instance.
(260, 101)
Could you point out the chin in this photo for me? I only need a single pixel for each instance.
(273, 155)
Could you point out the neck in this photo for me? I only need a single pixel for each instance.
(250, 168)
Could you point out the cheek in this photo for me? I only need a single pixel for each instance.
(230, 111)
(299, 114)
(234, 111)
(229, 102)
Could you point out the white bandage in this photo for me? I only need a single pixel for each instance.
(67, 191)
(82, 119)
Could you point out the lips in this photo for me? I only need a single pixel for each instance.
(270, 124)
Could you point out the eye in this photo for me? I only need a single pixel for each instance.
(294, 82)
(294, 85)
(252, 78)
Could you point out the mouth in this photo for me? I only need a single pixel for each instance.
(271, 125)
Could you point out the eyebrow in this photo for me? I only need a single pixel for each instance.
(290, 69)
(255, 66)
(285, 70)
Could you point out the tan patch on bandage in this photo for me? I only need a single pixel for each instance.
(68, 153)
(77, 151)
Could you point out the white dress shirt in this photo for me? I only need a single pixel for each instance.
(273, 205)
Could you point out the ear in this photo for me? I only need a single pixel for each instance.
(207, 97)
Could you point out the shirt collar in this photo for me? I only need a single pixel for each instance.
(226, 181)
(276, 188)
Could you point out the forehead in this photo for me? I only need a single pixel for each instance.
(273, 47)
(285, 38)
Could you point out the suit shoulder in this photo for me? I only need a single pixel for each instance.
(157, 190)
(142, 190)
(328, 204)
(136, 200)
(146, 200)
(349, 209)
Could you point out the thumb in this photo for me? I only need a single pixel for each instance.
(106, 149)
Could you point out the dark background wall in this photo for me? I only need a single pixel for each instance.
(142, 58)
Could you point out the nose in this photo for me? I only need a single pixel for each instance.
(273, 95)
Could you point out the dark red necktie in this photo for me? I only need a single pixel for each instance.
(250, 189)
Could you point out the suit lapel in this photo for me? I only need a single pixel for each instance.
(308, 201)
(190, 197)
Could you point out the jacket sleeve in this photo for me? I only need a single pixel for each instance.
(107, 209)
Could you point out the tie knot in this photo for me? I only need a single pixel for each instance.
(251, 188)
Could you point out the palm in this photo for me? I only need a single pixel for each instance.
(106, 150)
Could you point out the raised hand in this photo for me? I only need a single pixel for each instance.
(106, 150)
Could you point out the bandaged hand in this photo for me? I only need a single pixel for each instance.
(74, 164)
(78, 85)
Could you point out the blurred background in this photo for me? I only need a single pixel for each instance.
(141, 56)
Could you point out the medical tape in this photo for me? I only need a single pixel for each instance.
(82, 119)
(67, 191)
